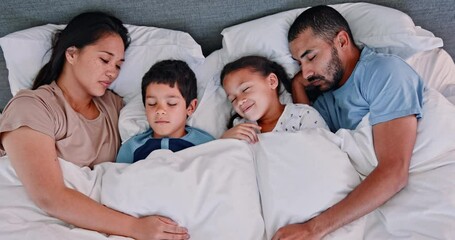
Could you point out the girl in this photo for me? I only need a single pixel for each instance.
(252, 85)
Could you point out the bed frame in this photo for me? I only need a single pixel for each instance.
(203, 19)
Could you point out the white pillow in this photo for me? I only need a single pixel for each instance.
(382, 28)
(302, 174)
(25, 53)
(437, 70)
(210, 189)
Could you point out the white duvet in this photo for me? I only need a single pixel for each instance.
(228, 189)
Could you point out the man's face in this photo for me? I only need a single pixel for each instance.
(319, 61)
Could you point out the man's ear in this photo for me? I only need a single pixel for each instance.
(191, 107)
(342, 39)
(71, 54)
(273, 80)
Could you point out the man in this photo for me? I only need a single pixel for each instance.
(353, 83)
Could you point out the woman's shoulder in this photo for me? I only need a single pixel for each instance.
(44, 95)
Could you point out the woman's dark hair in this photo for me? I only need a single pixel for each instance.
(82, 30)
(257, 64)
(171, 72)
(261, 65)
(325, 21)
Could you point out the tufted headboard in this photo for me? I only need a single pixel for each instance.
(203, 19)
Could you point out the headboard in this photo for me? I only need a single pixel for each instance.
(202, 19)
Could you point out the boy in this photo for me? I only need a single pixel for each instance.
(169, 94)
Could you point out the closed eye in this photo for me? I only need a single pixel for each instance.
(311, 58)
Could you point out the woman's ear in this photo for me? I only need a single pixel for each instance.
(273, 81)
(191, 107)
(71, 54)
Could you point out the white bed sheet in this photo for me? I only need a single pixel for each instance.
(425, 209)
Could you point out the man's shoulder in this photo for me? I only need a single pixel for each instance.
(370, 58)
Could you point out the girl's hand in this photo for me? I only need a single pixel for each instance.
(243, 131)
(159, 227)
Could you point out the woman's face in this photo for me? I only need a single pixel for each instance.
(96, 66)
(250, 93)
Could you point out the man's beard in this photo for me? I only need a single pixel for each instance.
(337, 73)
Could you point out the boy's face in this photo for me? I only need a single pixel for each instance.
(166, 110)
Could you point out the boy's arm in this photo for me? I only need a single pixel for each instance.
(125, 153)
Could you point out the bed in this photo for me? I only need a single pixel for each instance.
(228, 189)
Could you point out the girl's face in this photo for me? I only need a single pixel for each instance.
(250, 93)
(94, 67)
(166, 110)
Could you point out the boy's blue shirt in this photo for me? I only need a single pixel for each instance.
(140, 146)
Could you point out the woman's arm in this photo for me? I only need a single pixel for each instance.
(34, 158)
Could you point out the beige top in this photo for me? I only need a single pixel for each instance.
(78, 140)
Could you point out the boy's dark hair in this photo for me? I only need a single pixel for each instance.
(261, 65)
(325, 21)
(171, 72)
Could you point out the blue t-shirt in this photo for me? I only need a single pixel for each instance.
(141, 145)
(381, 84)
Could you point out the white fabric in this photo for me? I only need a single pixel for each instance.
(27, 51)
(437, 69)
(214, 187)
(132, 119)
(302, 174)
(21, 219)
(435, 137)
(382, 28)
(209, 189)
(425, 208)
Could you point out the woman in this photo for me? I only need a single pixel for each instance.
(69, 114)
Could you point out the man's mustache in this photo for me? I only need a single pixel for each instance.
(316, 77)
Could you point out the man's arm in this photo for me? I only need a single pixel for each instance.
(393, 143)
(298, 89)
(303, 91)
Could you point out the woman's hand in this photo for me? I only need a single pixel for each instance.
(159, 227)
(34, 158)
(243, 131)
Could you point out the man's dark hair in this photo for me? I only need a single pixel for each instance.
(171, 72)
(325, 21)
